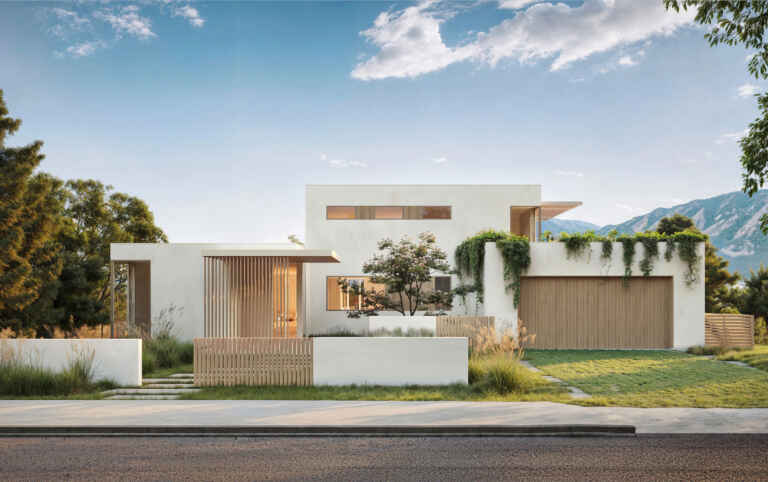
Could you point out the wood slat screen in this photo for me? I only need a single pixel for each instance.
(725, 329)
(253, 361)
(249, 296)
(597, 312)
(467, 326)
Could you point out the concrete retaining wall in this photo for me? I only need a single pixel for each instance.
(118, 360)
(389, 361)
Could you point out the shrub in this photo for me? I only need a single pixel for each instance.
(23, 377)
(761, 331)
(711, 350)
(505, 374)
(148, 361)
(476, 371)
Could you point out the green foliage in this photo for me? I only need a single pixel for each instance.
(501, 374)
(628, 254)
(29, 223)
(733, 23)
(755, 300)
(164, 349)
(710, 350)
(650, 242)
(761, 331)
(23, 378)
(404, 268)
(515, 253)
(399, 332)
(577, 244)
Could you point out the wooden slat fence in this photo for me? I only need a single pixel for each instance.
(729, 329)
(467, 326)
(253, 361)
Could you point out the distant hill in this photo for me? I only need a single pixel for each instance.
(557, 226)
(731, 220)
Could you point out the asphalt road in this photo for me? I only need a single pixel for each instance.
(645, 457)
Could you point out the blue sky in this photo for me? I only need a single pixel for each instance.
(218, 113)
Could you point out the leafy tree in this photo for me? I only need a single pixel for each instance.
(719, 293)
(404, 268)
(93, 219)
(755, 301)
(741, 22)
(29, 220)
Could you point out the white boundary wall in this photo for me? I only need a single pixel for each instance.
(118, 360)
(402, 322)
(550, 259)
(389, 361)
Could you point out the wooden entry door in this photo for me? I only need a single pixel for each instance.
(598, 312)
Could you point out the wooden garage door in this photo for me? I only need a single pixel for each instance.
(597, 312)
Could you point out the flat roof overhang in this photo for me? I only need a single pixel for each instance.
(550, 209)
(300, 255)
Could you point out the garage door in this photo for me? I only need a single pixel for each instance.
(597, 312)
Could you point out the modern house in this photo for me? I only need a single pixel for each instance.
(285, 290)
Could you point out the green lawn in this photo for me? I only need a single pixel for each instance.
(541, 390)
(654, 378)
(756, 357)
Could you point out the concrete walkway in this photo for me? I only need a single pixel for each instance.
(279, 412)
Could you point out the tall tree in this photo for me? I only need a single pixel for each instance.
(29, 222)
(741, 22)
(93, 219)
(756, 293)
(719, 294)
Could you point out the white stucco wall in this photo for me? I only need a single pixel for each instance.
(473, 208)
(402, 322)
(118, 360)
(176, 272)
(550, 259)
(389, 361)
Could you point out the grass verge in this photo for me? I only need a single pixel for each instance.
(654, 378)
(166, 372)
(756, 357)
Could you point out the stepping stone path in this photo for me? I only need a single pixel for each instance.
(156, 389)
(575, 392)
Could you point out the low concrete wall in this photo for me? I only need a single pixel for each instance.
(118, 360)
(402, 322)
(389, 361)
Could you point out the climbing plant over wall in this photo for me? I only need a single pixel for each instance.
(515, 253)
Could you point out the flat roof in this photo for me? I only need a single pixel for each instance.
(302, 255)
(550, 209)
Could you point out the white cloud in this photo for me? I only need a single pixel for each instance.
(410, 43)
(439, 160)
(747, 90)
(323, 157)
(626, 60)
(339, 163)
(731, 136)
(85, 49)
(191, 14)
(515, 4)
(127, 21)
(569, 173)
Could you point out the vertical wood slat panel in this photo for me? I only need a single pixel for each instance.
(598, 312)
(253, 361)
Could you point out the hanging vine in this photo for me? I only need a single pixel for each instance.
(687, 242)
(628, 245)
(515, 253)
(650, 242)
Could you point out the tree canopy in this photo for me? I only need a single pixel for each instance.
(734, 22)
(54, 241)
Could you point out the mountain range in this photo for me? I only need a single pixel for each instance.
(731, 220)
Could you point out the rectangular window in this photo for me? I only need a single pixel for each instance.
(340, 212)
(388, 212)
(338, 300)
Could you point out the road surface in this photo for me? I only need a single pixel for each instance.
(675, 457)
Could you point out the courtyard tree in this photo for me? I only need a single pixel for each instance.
(403, 270)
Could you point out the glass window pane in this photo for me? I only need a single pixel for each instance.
(436, 212)
(443, 283)
(389, 212)
(340, 212)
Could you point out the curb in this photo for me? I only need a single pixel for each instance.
(319, 431)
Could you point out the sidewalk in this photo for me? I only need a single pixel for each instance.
(296, 412)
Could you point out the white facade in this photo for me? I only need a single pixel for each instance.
(389, 361)
(118, 360)
(176, 277)
(473, 208)
(551, 259)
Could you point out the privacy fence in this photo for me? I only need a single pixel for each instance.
(729, 329)
(467, 326)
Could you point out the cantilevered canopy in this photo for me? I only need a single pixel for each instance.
(550, 209)
(297, 255)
